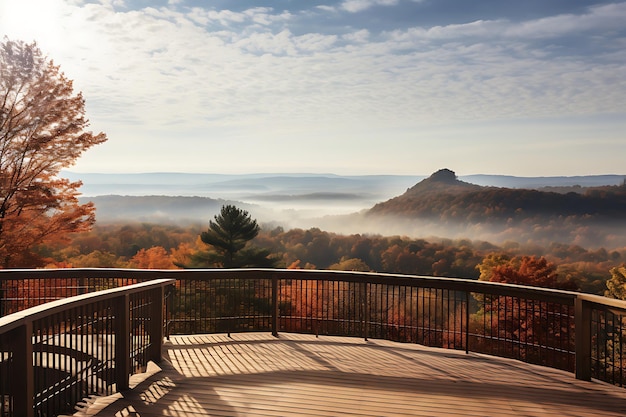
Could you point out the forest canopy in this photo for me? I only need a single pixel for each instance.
(144, 245)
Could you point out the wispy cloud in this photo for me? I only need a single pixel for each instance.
(604, 18)
(263, 16)
(204, 74)
(355, 6)
(458, 71)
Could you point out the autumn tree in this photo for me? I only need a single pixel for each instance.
(528, 323)
(489, 263)
(523, 270)
(42, 130)
(97, 259)
(616, 286)
(350, 264)
(228, 237)
(155, 257)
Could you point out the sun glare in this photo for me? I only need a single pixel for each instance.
(32, 20)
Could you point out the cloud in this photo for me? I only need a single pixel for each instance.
(356, 6)
(277, 44)
(326, 8)
(462, 32)
(599, 18)
(263, 16)
(112, 4)
(315, 42)
(359, 36)
(220, 79)
(196, 67)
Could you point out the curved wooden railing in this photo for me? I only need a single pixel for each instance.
(56, 354)
(577, 332)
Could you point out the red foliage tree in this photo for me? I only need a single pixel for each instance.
(530, 327)
(42, 130)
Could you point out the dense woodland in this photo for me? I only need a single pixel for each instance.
(166, 246)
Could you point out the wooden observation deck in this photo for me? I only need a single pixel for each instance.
(264, 342)
(256, 374)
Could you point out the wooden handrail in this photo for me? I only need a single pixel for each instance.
(52, 307)
(460, 284)
(51, 325)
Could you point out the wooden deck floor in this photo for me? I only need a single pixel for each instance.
(300, 375)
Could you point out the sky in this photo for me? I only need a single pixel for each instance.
(350, 87)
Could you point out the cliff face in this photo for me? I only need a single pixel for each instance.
(442, 181)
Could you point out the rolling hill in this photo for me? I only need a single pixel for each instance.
(442, 196)
(564, 209)
(446, 206)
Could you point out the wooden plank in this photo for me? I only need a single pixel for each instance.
(257, 375)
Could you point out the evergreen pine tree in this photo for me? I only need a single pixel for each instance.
(229, 236)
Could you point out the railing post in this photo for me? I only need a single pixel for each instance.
(156, 324)
(275, 306)
(81, 286)
(122, 342)
(23, 378)
(169, 296)
(365, 305)
(2, 302)
(467, 319)
(582, 331)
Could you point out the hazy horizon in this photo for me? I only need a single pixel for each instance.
(333, 203)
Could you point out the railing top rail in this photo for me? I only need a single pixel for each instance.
(604, 302)
(19, 274)
(458, 284)
(14, 320)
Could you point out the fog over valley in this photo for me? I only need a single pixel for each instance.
(299, 195)
(340, 204)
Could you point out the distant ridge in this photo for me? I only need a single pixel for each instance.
(288, 197)
(441, 204)
(162, 209)
(444, 197)
(212, 185)
(541, 182)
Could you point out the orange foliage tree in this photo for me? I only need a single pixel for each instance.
(154, 258)
(531, 327)
(42, 130)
